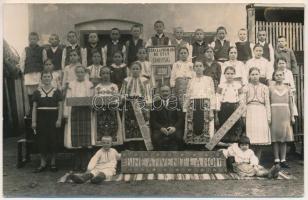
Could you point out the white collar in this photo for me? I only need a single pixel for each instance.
(115, 42)
(118, 66)
(261, 43)
(178, 41)
(160, 35)
(200, 43)
(54, 49)
(73, 45)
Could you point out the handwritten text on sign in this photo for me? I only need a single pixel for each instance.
(173, 162)
(163, 55)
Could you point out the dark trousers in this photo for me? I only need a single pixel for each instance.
(162, 142)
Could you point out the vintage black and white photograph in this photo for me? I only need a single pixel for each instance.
(153, 100)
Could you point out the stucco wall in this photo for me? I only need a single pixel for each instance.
(61, 18)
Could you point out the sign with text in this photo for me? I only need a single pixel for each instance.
(162, 58)
(226, 127)
(172, 162)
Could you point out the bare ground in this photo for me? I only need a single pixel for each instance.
(23, 183)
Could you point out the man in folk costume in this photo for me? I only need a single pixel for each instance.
(179, 42)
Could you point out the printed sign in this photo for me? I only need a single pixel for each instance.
(162, 58)
(162, 55)
(171, 162)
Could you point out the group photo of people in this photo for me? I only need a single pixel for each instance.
(97, 97)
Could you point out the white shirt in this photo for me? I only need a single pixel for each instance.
(80, 89)
(266, 69)
(228, 92)
(104, 159)
(200, 88)
(240, 71)
(181, 69)
(240, 156)
(94, 70)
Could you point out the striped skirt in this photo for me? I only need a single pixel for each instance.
(81, 126)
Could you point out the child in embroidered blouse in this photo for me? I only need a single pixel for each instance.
(102, 164)
(256, 97)
(246, 163)
(228, 98)
(182, 71)
(56, 80)
(69, 70)
(95, 68)
(119, 70)
(146, 71)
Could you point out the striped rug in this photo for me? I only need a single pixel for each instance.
(180, 177)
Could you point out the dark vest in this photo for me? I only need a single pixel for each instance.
(266, 52)
(34, 59)
(156, 41)
(68, 51)
(221, 52)
(90, 50)
(111, 49)
(55, 57)
(133, 50)
(177, 47)
(243, 51)
(198, 50)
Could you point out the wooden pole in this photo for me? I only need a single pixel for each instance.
(251, 24)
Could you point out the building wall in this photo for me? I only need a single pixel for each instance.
(61, 18)
(16, 25)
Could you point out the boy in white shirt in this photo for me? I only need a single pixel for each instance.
(101, 165)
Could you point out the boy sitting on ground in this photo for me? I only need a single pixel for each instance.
(101, 165)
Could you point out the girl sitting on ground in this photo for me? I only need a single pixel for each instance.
(246, 163)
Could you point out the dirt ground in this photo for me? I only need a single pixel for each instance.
(23, 183)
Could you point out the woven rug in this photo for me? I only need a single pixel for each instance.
(180, 177)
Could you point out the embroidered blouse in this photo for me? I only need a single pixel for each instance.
(94, 71)
(104, 159)
(106, 90)
(257, 94)
(181, 69)
(201, 88)
(80, 89)
(228, 92)
(136, 87)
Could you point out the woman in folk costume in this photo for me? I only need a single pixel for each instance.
(78, 128)
(258, 113)
(182, 71)
(200, 103)
(135, 88)
(107, 121)
(240, 75)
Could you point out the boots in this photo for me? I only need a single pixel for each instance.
(81, 178)
(274, 171)
(98, 178)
